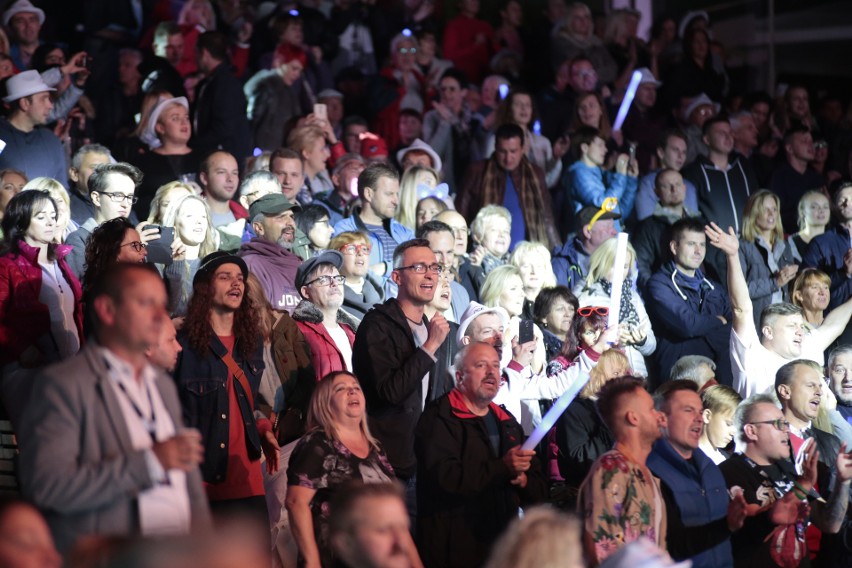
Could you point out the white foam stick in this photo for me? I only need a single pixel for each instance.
(627, 100)
(617, 279)
(555, 412)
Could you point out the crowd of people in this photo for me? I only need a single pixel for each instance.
(292, 282)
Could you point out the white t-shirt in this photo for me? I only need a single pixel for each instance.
(342, 342)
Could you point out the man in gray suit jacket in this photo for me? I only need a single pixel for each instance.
(103, 448)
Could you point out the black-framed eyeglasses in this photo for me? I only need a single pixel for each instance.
(421, 268)
(119, 197)
(137, 245)
(779, 423)
(586, 311)
(326, 280)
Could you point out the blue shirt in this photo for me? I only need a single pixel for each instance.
(512, 202)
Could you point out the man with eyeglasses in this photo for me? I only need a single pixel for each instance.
(395, 354)
(778, 496)
(269, 255)
(328, 330)
(112, 188)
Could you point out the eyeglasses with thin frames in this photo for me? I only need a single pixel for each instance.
(137, 245)
(354, 249)
(779, 423)
(119, 197)
(326, 280)
(421, 268)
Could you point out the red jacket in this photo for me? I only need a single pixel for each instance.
(386, 95)
(23, 318)
(325, 355)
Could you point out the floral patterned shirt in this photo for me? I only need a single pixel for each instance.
(620, 502)
(323, 464)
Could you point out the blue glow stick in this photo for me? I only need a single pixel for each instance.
(628, 99)
(555, 412)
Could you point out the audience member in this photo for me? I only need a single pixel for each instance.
(571, 262)
(718, 404)
(814, 213)
(532, 259)
(119, 462)
(830, 251)
(671, 154)
(219, 176)
(329, 331)
(699, 514)
(554, 310)
(542, 537)
(378, 188)
(795, 176)
(442, 242)
(337, 448)
(29, 146)
(471, 482)
(82, 167)
(223, 353)
(620, 499)
(270, 254)
(344, 177)
(508, 178)
(362, 289)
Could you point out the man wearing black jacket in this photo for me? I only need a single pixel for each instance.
(394, 356)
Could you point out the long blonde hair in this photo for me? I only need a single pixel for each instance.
(753, 208)
(407, 212)
(602, 261)
(610, 360)
(320, 415)
(524, 249)
(211, 240)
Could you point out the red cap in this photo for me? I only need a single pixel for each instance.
(374, 147)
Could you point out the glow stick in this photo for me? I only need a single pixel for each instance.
(617, 280)
(555, 412)
(628, 99)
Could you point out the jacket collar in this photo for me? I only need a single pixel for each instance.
(460, 409)
(31, 253)
(308, 312)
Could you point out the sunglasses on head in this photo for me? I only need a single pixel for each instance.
(586, 311)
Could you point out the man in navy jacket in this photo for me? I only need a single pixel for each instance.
(690, 314)
(699, 514)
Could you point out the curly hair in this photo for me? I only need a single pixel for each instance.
(102, 249)
(197, 324)
(572, 345)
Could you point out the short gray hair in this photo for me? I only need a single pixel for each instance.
(77, 160)
(686, 367)
(837, 352)
(745, 412)
(251, 182)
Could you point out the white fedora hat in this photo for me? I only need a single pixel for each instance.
(421, 146)
(24, 84)
(22, 6)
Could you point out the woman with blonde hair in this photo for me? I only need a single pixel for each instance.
(719, 403)
(165, 195)
(415, 179)
(195, 238)
(64, 224)
(635, 334)
(580, 434)
(575, 36)
(543, 538)
(814, 216)
(310, 142)
(504, 288)
(765, 256)
(533, 261)
(337, 448)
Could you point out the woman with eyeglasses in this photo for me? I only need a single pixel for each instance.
(41, 315)
(362, 289)
(635, 335)
(194, 238)
(814, 216)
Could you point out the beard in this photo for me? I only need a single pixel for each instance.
(285, 243)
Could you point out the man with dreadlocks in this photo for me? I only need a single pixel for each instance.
(509, 179)
(218, 375)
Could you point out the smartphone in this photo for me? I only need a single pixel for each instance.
(321, 111)
(525, 332)
(160, 250)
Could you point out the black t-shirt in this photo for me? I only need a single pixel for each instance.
(761, 485)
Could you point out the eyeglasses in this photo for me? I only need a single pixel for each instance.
(407, 50)
(586, 311)
(119, 197)
(779, 423)
(461, 231)
(819, 145)
(326, 280)
(356, 249)
(137, 246)
(421, 268)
